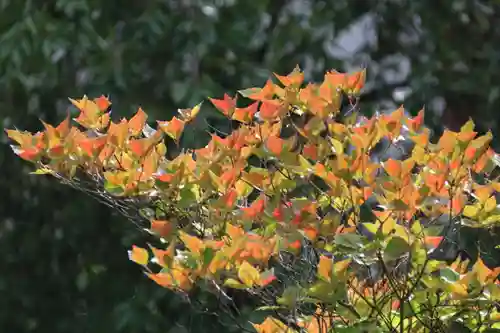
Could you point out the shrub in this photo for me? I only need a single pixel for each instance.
(296, 206)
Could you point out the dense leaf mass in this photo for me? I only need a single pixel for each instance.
(295, 205)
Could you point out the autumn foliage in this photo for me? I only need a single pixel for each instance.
(295, 207)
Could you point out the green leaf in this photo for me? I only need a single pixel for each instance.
(42, 171)
(249, 92)
(449, 275)
(232, 283)
(290, 297)
(208, 255)
(188, 196)
(352, 241)
(395, 248)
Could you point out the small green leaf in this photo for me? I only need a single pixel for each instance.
(249, 92)
(232, 283)
(208, 255)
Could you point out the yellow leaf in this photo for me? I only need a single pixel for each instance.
(341, 266)
(139, 255)
(248, 274)
(470, 211)
(490, 204)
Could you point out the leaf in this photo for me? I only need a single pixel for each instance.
(266, 93)
(393, 168)
(325, 268)
(226, 105)
(139, 255)
(275, 145)
(248, 274)
(173, 128)
(245, 115)
(271, 325)
(137, 122)
(189, 115)
(270, 110)
(396, 247)
(161, 228)
(340, 267)
(194, 244)
(433, 241)
(42, 171)
(471, 211)
(294, 79)
(267, 277)
(232, 283)
(249, 92)
(349, 240)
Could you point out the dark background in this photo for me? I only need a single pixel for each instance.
(63, 257)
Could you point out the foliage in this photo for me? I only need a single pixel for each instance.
(293, 207)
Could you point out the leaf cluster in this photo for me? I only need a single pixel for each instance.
(293, 206)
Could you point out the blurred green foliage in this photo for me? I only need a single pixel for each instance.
(64, 263)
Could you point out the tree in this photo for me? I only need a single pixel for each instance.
(296, 206)
(170, 54)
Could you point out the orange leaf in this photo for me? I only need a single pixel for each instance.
(137, 122)
(173, 128)
(356, 81)
(229, 199)
(270, 110)
(311, 151)
(294, 79)
(266, 93)
(164, 257)
(162, 228)
(176, 278)
(393, 168)
(433, 241)
(118, 133)
(325, 268)
(92, 146)
(415, 123)
(226, 105)
(255, 209)
(194, 244)
(275, 145)
(245, 115)
(102, 103)
(271, 325)
(336, 79)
